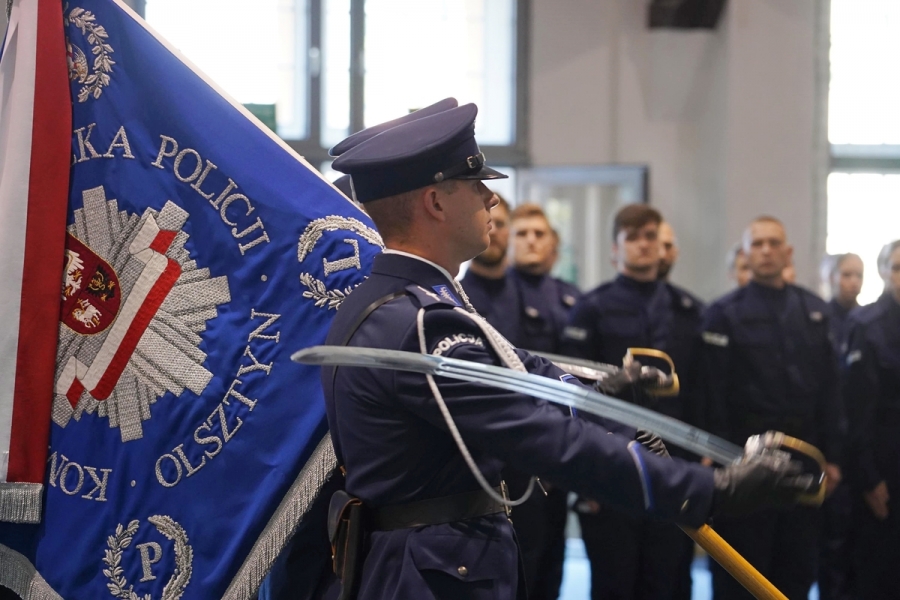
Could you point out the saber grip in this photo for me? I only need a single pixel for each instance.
(673, 386)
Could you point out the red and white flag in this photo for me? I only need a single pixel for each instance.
(35, 157)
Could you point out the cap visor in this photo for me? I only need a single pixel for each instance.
(483, 173)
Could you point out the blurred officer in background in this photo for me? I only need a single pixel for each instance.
(872, 391)
(738, 267)
(634, 557)
(768, 364)
(843, 275)
(530, 308)
(546, 301)
(668, 250)
(789, 275)
(487, 282)
(668, 256)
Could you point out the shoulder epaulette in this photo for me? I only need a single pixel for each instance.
(438, 294)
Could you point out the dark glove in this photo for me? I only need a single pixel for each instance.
(647, 378)
(759, 482)
(652, 442)
(626, 377)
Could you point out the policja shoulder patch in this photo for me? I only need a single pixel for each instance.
(451, 341)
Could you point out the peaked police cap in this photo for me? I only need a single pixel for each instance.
(422, 152)
(369, 132)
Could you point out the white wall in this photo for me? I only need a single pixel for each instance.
(726, 120)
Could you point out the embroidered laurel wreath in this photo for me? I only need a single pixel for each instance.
(316, 289)
(184, 557)
(95, 81)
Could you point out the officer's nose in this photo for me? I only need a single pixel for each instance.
(493, 201)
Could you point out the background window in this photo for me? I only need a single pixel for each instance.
(336, 64)
(581, 202)
(331, 67)
(258, 56)
(865, 83)
(863, 215)
(864, 131)
(420, 52)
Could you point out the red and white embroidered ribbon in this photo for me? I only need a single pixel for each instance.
(35, 132)
(149, 292)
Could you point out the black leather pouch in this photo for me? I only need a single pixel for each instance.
(347, 535)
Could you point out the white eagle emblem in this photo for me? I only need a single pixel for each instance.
(78, 65)
(74, 272)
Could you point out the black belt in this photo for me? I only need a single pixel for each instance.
(435, 511)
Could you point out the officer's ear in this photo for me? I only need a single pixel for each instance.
(434, 203)
(789, 254)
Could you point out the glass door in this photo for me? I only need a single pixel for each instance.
(581, 203)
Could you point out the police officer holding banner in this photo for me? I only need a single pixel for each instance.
(634, 556)
(424, 454)
(768, 364)
(872, 392)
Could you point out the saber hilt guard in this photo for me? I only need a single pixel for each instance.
(786, 448)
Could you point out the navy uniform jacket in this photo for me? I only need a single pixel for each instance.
(498, 301)
(545, 304)
(768, 363)
(625, 313)
(529, 310)
(389, 434)
(837, 321)
(872, 391)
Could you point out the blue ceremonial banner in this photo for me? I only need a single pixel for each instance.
(200, 252)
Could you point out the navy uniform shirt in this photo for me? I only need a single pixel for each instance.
(626, 313)
(389, 434)
(872, 390)
(497, 300)
(529, 310)
(768, 363)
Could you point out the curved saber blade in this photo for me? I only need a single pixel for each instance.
(671, 430)
(586, 369)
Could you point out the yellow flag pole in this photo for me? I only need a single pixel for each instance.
(745, 573)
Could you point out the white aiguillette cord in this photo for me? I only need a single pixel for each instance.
(511, 360)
